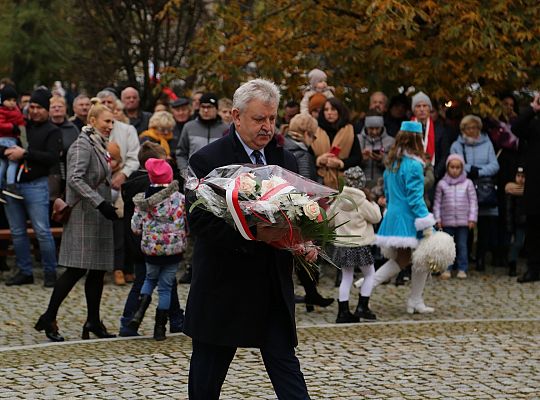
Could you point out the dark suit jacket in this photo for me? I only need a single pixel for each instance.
(442, 150)
(236, 283)
(527, 128)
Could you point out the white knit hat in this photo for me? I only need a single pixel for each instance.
(421, 97)
(315, 76)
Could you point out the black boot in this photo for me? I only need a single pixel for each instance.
(313, 297)
(97, 328)
(362, 310)
(50, 327)
(344, 314)
(531, 275)
(512, 268)
(135, 322)
(161, 321)
(186, 277)
(480, 263)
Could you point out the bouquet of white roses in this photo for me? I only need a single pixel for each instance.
(248, 195)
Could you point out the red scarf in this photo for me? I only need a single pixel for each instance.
(429, 139)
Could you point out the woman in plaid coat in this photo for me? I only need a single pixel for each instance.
(87, 241)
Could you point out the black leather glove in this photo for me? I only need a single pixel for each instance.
(16, 130)
(473, 173)
(108, 211)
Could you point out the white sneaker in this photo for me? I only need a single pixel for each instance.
(446, 275)
(418, 307)
(462, 275)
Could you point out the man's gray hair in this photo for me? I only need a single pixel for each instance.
(106, 93)
(260, 89)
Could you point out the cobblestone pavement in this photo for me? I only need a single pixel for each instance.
(495, 353)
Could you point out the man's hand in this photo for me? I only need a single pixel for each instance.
(536, 103)
(14, 153)
(366, 154)
(117, 180)
(377, 156)
(471, 224)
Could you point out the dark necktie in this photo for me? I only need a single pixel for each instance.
(258, 157)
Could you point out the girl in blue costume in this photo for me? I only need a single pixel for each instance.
(407, 216)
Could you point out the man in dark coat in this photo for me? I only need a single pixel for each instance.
(242, 291)
(527, 127)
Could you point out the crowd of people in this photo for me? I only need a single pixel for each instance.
(473, 181)
(409, 167)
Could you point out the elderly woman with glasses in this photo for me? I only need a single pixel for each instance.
(481, 167)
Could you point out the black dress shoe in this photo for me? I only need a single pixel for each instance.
(20, 279)
(51, 329)
(317, 300)
(529, 276)
(97, 329)
(49, 279)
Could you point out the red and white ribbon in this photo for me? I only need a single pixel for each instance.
(233, 204)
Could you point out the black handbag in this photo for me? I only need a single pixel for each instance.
(486, 191)
(486, 188)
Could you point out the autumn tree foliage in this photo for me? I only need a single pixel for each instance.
(467, 49)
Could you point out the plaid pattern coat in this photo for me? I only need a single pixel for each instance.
(87, 241)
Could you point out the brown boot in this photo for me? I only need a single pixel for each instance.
(119, 278)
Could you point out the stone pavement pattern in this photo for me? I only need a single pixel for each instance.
(403, 356)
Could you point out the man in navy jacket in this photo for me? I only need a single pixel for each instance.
(242, 291)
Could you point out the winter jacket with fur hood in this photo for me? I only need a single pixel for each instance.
(160, 219)
(359, 217)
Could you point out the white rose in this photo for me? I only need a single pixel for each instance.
(311, 210)
(247, 185)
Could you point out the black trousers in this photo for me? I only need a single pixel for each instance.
(532, 240)
(210, 363)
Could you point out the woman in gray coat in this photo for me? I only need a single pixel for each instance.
(87, 240)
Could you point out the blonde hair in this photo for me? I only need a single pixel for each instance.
(224, 103)
(57, 99)
(406, 141)
(97, 108)
(301, 123)
(468, 119)
(162, 119)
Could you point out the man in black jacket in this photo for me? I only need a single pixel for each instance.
(527, 127)
(43, 153)
(242, 291)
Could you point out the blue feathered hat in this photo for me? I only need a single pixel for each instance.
(411, 126)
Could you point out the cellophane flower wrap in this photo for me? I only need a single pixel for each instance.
(249, 195)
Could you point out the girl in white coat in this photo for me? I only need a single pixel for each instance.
(359, 218)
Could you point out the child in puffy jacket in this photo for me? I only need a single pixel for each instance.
(159, 218)
(455, 209)
(355, 214)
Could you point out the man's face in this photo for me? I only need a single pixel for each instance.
(130, 98)
(378, 102)
(38, 113)
(374, 132)
(421, 111)
(256, 123)
(24, 100)
(290, 112)
(207, 111)
(110, 102)
(57, 110)
(196, 101)
(182, 113)
(81, 107)
(226, 115)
